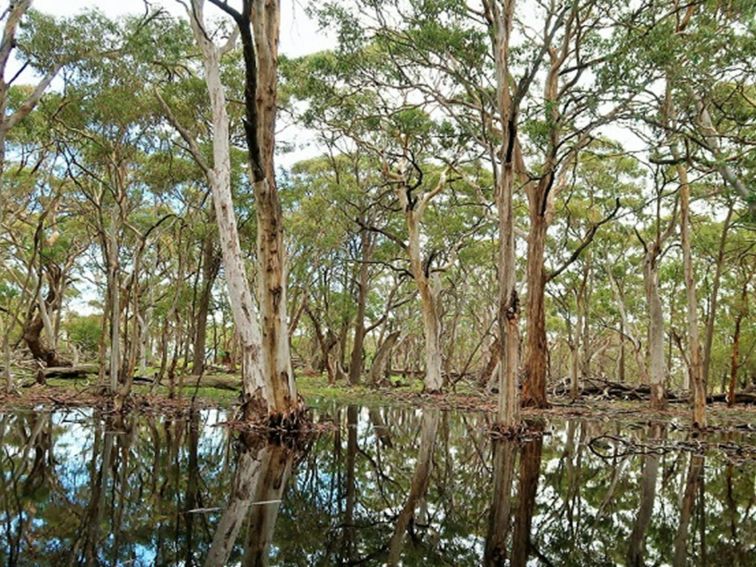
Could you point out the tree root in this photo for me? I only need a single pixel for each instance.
(522, 432)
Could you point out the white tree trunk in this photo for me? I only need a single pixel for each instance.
(508, 414)
(267, 380)
(427, 284)
(243, 308)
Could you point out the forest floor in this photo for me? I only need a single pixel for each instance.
(220, 390)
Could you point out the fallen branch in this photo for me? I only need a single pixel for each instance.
(605, 389)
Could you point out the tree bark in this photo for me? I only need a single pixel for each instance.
(357, 358)
(382, 356)
(536, 359)
(114, 289)
(210, 268)
(695, 358)
(259, 29)
(585, 328)
(714, 297)
(540, 198)
(7, 372)
(39, 324)
(695, 369)
(735, 353)
(427, 282)
(267, 380)
(508, 414)
(657, 372)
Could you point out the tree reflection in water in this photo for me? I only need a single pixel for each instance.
(261, 473)
(389, 486)
(501, 517)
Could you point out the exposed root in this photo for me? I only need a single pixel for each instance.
(534, 403)
(292, 428)
(520, 433)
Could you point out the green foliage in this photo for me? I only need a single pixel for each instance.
(85, 331)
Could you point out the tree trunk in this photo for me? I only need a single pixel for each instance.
(427, 285)
(695, 358)
(9, 386)
(585, 329)
(490, 369)
(695, 369)
(102, 344)
(735, 353)
(267, 381)
(259, 31)
(114, 289)
(432, 329)
(657, 371)
(356, 364)
(621, 361)
(145, 342)
(540, 196)
(39, 323)
(536, 358)
(714, 297)
(210, 268)
(382, 356)
(163, 350)
(508, 413)
(575, 367)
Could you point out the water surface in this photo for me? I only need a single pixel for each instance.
(389, 485)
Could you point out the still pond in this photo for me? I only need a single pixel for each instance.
(386, 486)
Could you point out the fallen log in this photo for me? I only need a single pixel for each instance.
(69, 371)
(219, 383)
(642, 392)
(740, 398)
(65, 372)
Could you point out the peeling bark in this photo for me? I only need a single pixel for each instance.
(267, 379)
(508, 414)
